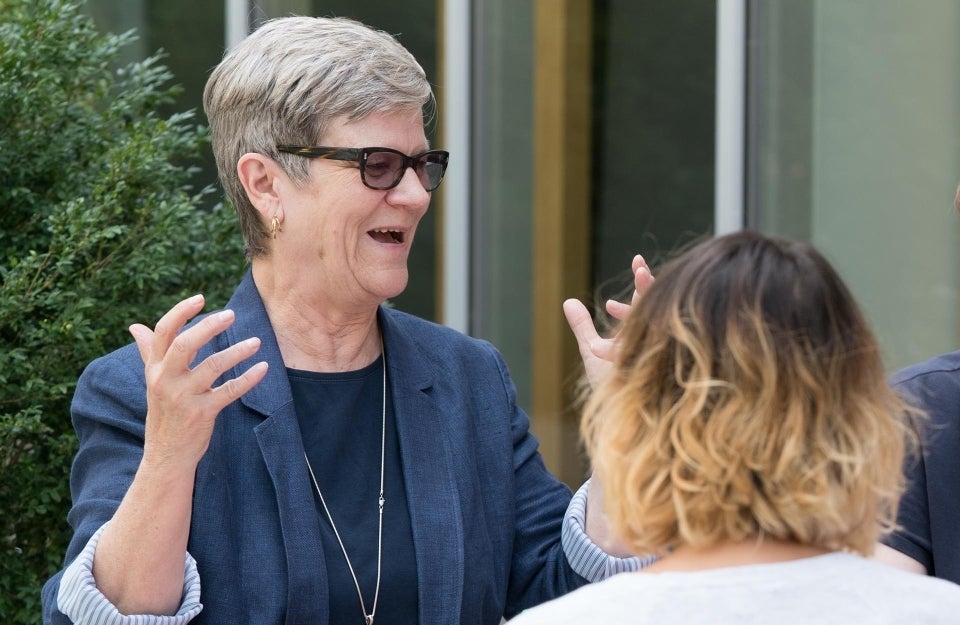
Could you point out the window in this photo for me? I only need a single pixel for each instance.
(854, 145)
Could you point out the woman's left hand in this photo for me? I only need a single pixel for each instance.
(598, 352)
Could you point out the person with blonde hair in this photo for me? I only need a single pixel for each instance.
(747, 437)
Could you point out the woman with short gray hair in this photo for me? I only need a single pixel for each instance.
(309, 455)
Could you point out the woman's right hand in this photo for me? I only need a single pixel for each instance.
(139, 562)
(182, 403)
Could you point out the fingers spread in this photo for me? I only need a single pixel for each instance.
(170, 324)
(605, 349)
(235, 387)
(143, 336)
(642, 277)
(185, 346)
(581, 323)
(618, 310)
(216, 364)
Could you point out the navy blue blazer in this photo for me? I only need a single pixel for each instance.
(486, 514)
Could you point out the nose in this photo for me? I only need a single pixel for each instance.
(409, 193)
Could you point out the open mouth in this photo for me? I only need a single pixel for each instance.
(384, 235)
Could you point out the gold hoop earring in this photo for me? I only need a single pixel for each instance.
(275, 226)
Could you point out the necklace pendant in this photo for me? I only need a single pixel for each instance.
(369, 618)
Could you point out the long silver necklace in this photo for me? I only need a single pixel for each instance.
(368, 617)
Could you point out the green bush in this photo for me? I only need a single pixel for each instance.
(100, 228)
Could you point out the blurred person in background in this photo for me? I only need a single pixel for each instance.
(927, 537)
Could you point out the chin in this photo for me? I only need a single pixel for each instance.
(392, 288)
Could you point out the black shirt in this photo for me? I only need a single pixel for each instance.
(341, 416)
(929, 513)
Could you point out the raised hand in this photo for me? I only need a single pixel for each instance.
(596, 351)
(182, 403)
(139, 560)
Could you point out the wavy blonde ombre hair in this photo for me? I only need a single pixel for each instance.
(748, 399)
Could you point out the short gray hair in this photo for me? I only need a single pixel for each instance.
(284, 84)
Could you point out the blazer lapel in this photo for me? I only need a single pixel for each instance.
(278, 436)
(429, 469)
(429, 475)
(307, 593)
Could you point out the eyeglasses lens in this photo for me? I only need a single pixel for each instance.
(384, 170)
(430, 168)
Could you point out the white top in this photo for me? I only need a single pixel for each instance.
(832, 589)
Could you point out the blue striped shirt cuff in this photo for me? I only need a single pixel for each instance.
(81, 601)
(585, 557)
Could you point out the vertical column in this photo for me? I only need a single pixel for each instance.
(561, 231)
(237, 21)
(454, 209)
(731, 115)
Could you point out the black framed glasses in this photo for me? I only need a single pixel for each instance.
(382, 168)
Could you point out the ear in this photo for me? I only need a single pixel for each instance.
(261, 177)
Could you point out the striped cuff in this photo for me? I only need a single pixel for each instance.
(80, 600)
(585, 557)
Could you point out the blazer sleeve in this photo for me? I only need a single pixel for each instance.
(81, 600)
(539, 568)
(108, 411)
